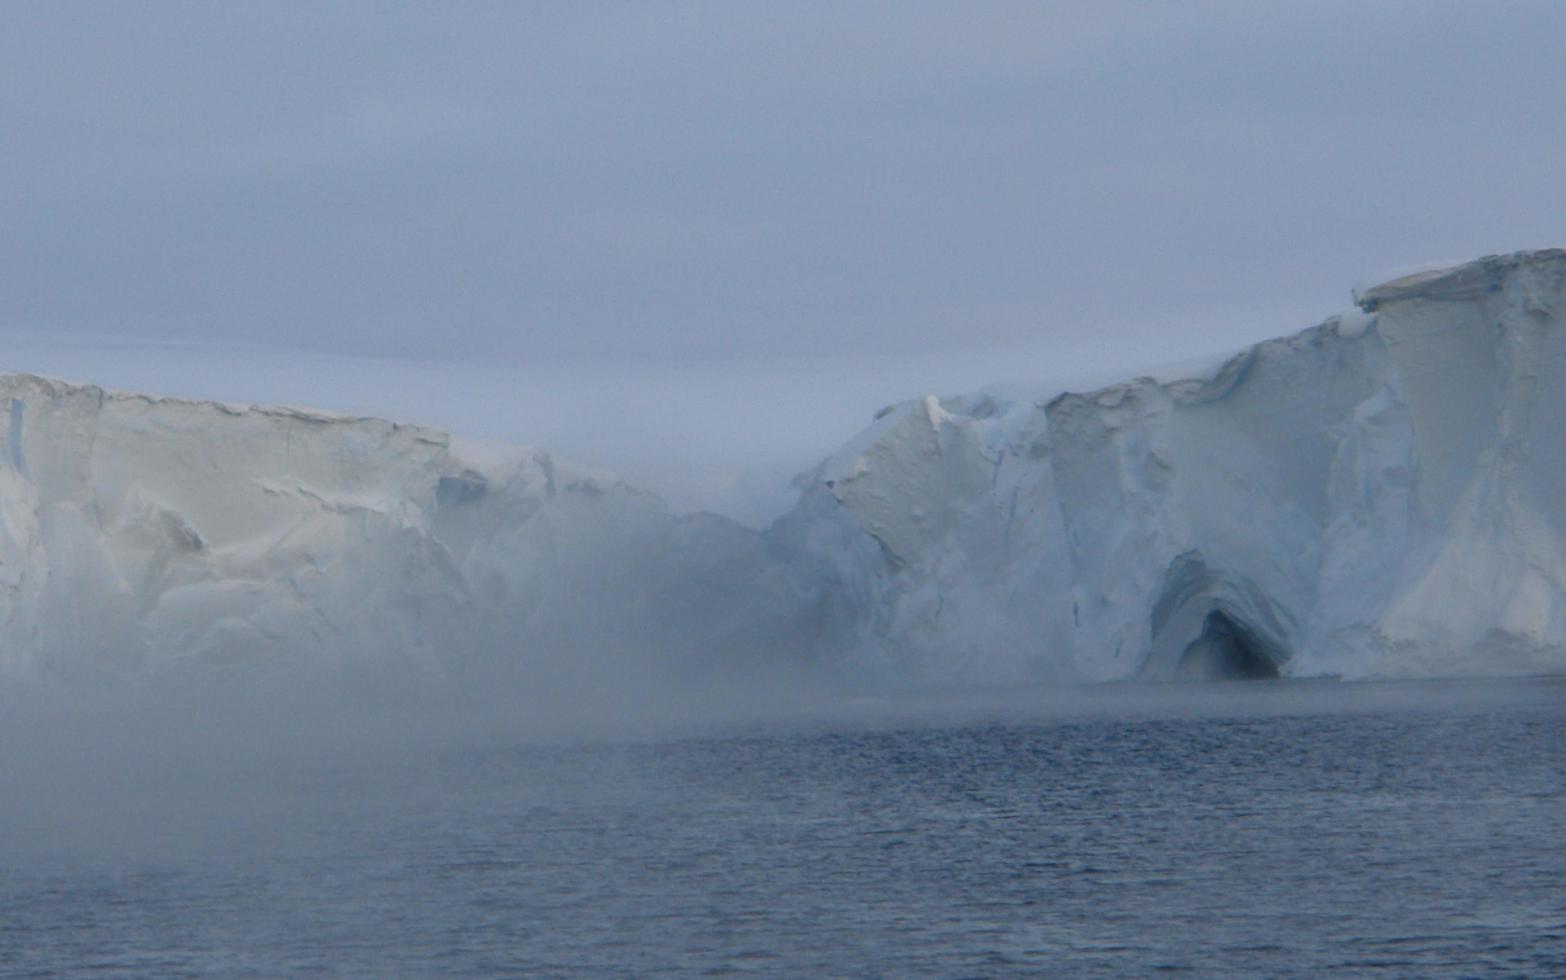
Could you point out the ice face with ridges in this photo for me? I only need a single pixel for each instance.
(1379, 495)
(141, 533)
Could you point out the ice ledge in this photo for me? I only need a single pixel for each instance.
(59, 388)
(1448, 283)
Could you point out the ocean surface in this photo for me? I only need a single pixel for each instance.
(1264, 828)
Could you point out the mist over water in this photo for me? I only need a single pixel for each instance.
(1272, 827)
(110, 770)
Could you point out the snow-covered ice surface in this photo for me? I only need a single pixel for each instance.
(1379, 495)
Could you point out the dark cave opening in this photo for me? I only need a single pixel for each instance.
(1225, 650)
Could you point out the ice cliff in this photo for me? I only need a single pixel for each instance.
(139, 533)
(1381, 495)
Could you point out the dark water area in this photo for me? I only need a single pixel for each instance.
(1273, 828)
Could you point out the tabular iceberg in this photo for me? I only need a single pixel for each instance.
(140, 533)
(1383, 494)
(1380, 495)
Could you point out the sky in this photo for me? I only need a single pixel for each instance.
(700, 243)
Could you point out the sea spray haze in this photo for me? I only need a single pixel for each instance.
(1283, 828)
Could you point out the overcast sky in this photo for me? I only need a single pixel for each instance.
(921, 191)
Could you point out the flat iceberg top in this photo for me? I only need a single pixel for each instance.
(58, 387)
(495, 461)
(1453, 281)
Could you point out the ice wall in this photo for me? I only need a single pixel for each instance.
(139, 534)
(1379, 495)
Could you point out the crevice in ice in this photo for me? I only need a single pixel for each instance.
(1225, 650)
(14, 439)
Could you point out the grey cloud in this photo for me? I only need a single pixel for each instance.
(753, 180)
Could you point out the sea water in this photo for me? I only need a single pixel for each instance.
(1271, 828)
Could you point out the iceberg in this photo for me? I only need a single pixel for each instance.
(141, 534)
(1379, 495)
(1383, 494)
